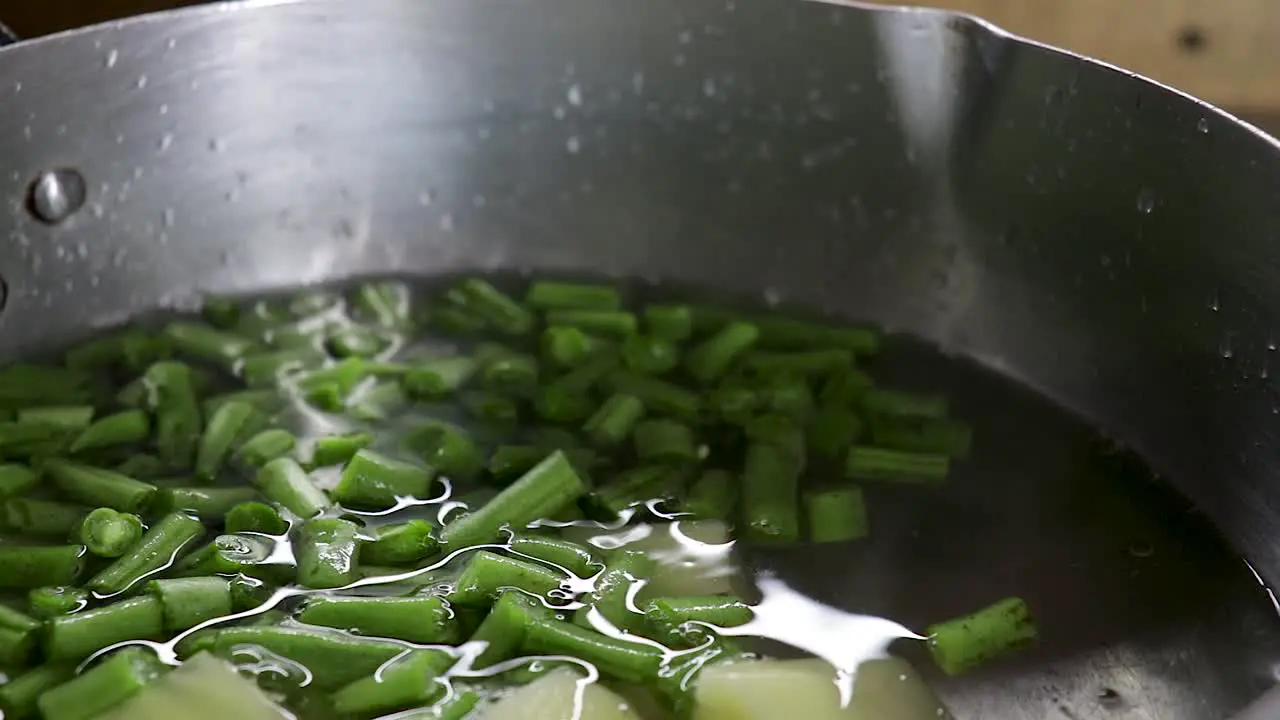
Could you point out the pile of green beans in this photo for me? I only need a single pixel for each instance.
(154, 479)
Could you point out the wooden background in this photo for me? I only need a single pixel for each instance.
(1226, 51)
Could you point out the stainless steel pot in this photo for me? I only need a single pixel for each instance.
(1101, 238)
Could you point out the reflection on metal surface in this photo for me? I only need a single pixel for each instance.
(56, 194)
(1054, 218)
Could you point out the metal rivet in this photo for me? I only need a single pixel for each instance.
(56, 194)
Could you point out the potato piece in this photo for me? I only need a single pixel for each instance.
(886, 689)
(204, 688)
(554, 697)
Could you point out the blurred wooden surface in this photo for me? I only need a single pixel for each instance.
(1226, 51)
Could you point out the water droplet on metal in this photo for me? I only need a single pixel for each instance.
(573, 145)
(1146, 201)
(427, 198)
(446, 223)
(164, 142)
(1203, 125)
(56, 194)
(111, 59)
(142, 82)
(709, 87)
(575, 95)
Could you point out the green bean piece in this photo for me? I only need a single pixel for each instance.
(108, 533)
(845, 389)
(45, 518)
(882, 401)
(409, 681)
(665, 441)
(37, 566)
(553, 295)
(187, 602)
(770, 494)
(502, 631)
(19, 695)
(52, 601)
(264, 447)
(708, 361)
(172, 399)
(142, 466)
(268, 369)
(439, 377)
(79, 635)
(267, 402)
(614, 421)
(833, 431)
(659, 396)
(448, 449)
(17, 637)
(127, 427)
(285, 482)
(249, 593)
(614, 586)
(129, 350)
(501, 312)
(454, 320)
(329, 388)
(457, 706)
(879, 464)
(257, 517)
(569, 347)
(210, 504)
(789, 395)
(490, 408)
(511, 461)
(487, 573)
(103, 687)
(69, 417)
(33, 439)
(334, 659)
(201, 342)
(783, 432)
(16, 480)
(384, 303)
(376, 481)
(571, 556)
(616, 324)
(25, 385)
(672, 617)
(99, 486)
(425, 619)
(510, 372)
(247, 555)
(400, 544)
(159, 547)
(713, 495)
(734, 403)
(339, 449)
(327, 553)
(356, 341)
(673, 323)
(554, 403)
(586, 376)
(650, 355)
(621, 659)
(961, 644)
(789, 334)
(805, 363)
(378, 401)
(539, 493)
(637, 485)
(221, 312)
(836, 515)
(927, 435)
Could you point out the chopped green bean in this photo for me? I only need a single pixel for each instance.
(79, 635)
(400, 544)
(334, 659)
(845, 388)
(712, 495)
(187, 602)
(339, 449)
(638, 485)
(264, 447)
(807, 363)
(490, 408)
(327, 553)
(384, 303)
(670, 614)
(502, 631)
(928, 435)
(881, 401)
(158, 548)
(202, 342)
(659, 396)
(613, 422)
(613, 589)
(871, 463)
(268, 369)
(16, 480)
(108, 533)
(770, 493)
(963, 643)
(539, 493)
(836, 515)
(123, 428)
(650, 355)
(18, 696)
(665, 441)
(673, 323)
(425, 619)
(17, 637)
(45, 518)
(448, 449)
(569, 347)
(708, 361)
(247, 555)
(69, 417)
(438, 377)
(210, 504)
(510, 372)
(833, 431)
(496, 307)
(487, 573)
(172, 398)
(357, 341)
(285, 482)
(571, 556)
(409, 681)
(54, 600)
(99, 486)
(255, 517)
(616, 324)
(621, 659)
(37, 566)
(376, 481)
(103, 687)
(552, 295)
